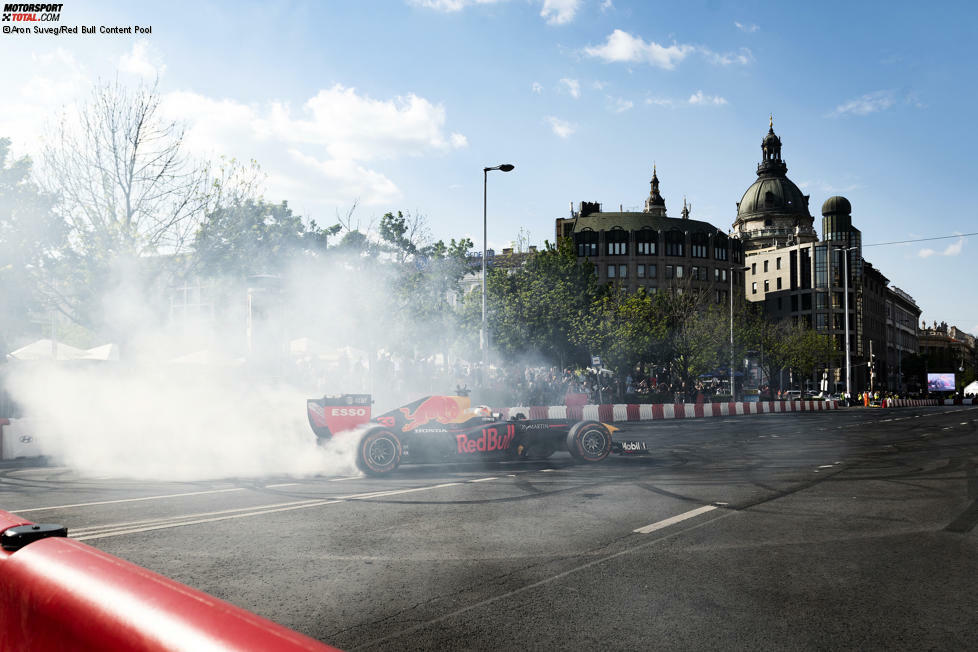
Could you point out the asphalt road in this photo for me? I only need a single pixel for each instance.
(852, 529)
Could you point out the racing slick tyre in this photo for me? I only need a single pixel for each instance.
(378, 452)
(589, 441)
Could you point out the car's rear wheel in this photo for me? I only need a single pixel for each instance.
(379, 451)
(589, 441)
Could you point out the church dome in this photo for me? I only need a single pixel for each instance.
(836, 206)
(773, 195)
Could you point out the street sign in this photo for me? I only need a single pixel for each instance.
(595, 360)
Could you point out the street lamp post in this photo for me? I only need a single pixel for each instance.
(732, 270)
(484, 334)
(845, 306)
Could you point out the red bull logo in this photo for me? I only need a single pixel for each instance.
(491, 440)
(441, 409)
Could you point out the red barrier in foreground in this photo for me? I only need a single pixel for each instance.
(60, 594)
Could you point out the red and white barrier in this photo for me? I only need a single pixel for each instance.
(908, 402)
(610, 413)
(60, 594)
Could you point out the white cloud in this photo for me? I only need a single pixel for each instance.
(449, 6)
(607, 5)
(142, 61)
(866, 104)
(559, 12)
(953, 249)
(746, 28)
(573, 87)
(699, 98)
(743, 57)
(623, 47)
(561, 128)
(327, 143)
(536, 88)
(620, 105)
(659, 101)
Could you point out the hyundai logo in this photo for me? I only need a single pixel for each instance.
(26, 439)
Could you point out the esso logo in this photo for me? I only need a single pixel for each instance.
(349, 412)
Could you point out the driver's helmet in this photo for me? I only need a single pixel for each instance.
(482, 411)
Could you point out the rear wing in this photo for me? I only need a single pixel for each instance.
(331, 415)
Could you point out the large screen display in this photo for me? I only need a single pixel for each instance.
(940, 382)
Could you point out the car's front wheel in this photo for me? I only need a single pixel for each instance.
(379, 451)
(589, 441)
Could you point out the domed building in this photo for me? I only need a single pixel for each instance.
(804, 280)
(773, 211)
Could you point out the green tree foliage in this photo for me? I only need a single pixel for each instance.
(625, 329)
(256, 237)
(29, 232)
(534, 307)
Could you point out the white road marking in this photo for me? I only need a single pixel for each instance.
(826, 466)
(675, 519)
(483, 480)
(352, 477)
(130, 500)
(547, 470)
(101, 532)
(284, 484)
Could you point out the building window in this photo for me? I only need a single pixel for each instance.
(779, 282)
(652, 271)
(611, 271)
(780, 304)
(793, 274)
(699, 245)
(821, 301)
(679, 271)
(765, 266)
(821, 321)
(806, 302)
(623, 271)
(675, 243)
(617, 242)
(794, 303)
(837, 300)
(806, 268)
(720, 246)
(767, 286)
(587, 244)
(670, 272)
(839, 321)
(753, 269)
(645, 242)
(720, 274)
(821, 267)
(753, 287)
(777, 263)
(640, 271)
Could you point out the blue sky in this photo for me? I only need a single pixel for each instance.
(399, 104)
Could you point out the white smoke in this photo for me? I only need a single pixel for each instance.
(224, 414)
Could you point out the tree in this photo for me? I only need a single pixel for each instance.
(255, 237)
(535, 305)
(127, 190)
(29, 232)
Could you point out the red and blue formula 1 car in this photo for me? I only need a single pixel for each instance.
(447, 428)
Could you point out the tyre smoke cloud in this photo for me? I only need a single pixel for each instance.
(236, 407)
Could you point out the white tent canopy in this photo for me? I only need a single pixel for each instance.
(971, 388)
(45, 350)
